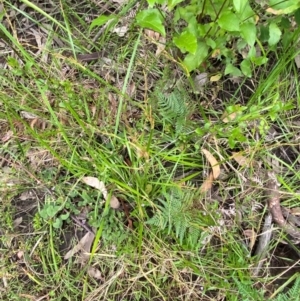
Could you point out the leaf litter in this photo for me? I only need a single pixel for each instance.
(99, 185)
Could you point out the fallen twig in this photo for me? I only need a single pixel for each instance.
(263, 243)
(273, 197)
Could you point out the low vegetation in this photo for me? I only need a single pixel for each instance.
(149, 150)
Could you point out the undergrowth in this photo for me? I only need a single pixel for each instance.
(185, 224)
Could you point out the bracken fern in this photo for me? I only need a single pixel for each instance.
(248, 293)
(175, 215)
(173, 110)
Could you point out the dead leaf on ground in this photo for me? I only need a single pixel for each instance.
(228, 117)
(95, 273)
(28, 115)
(216, 77)
(240, 159)
(295, 211)
(121, 31)
(152, 34)
(161, 45)
(207, 184)
(216, 53)
(9, 134)
(274, 11)
(213, 162)
(114, 202)
(17, 222)
(200, 81)
(83, 246)
(297, 61)
(96, 183)
(251, 235)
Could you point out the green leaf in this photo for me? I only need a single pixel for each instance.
(274, 34)
(234, 71)
(248, 32)
(264, 34)
(297, 16)
(243, 9)
(229, 21)
(286, 5)
(193, 61)
(240, 5)
(64, 216)
(173, 3)
(57, 223)
(101, 20)
(52, 210)
(153, 2)
(186, 41)
(151, 19)
(258, 61)
(246, 68)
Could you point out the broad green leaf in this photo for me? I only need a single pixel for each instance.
(248, 32)
(101, 20)
(251, 52)
(65, 216)
(285, 11)
(57, 224)
(285, 23)
(274, 34)
(53, 210)
(240, 5)
(246, 68)
(234, 71)
(153, 2)
(173, 3)
(264, 33)
(243, 9)
(229, 21)
(210, 42)
(193, 61)
(151, 19)
(186, 42)
(281, 5)
(297, 16)
(258, 61)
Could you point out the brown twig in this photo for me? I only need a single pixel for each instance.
(275, 208)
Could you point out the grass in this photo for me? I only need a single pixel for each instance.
(62, 120)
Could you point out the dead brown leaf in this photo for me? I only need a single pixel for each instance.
(240, 159)
(121, 31)
(228, 117)
(9, 134)
(274, 11)
(213, 162)
(83, 246)
(96, 183)
(295, 211)
(152, 34)
(251, 235)
(200, 81)
(114, 202)
(95, 273)
(160, 46)
(17, 222)
(207, 184)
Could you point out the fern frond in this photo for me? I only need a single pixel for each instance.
(172, 108)
(293, 294)
(174, 216)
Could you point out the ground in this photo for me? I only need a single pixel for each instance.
(123, 177)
